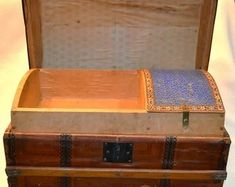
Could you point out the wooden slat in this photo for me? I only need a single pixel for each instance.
(32, 18)
(69, 121)
(196, 153)
(27, 93)
(117, 173)
(142, 138)
(208, 12)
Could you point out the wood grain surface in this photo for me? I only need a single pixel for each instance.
(190, 153)
(208, 13)
(115, 173)
(32, 18)
(83, 89)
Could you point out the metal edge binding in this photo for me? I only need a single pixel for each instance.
(12, 181)
(65, 150)
(221, 176)
(11, 151)
(224, 153)
(168, 160)
(12, 173)
(65, 157)
(65, 182)
(165, 183)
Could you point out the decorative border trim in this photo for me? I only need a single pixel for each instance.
(219, 103)
(150, 92)
(153, 107)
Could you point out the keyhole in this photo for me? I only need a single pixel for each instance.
(117, 148)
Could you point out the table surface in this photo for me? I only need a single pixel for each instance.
(14, 63)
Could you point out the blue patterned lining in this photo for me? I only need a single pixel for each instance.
(182, 88)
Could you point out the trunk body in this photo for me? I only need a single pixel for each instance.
(54, 159)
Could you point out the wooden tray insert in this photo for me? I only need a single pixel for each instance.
(83, 89)
(100, 101)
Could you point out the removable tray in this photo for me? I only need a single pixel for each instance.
(118, 102)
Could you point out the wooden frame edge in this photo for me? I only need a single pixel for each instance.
(123, 137)
(20, 89)
(205, 35)
(32, 20)
(117, 173)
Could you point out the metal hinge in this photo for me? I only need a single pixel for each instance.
(185, 119)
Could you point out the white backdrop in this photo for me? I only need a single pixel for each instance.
(13, 64)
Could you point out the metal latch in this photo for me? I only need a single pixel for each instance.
(185, 119)
(117, 152)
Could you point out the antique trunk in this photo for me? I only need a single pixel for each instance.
(118, 95)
